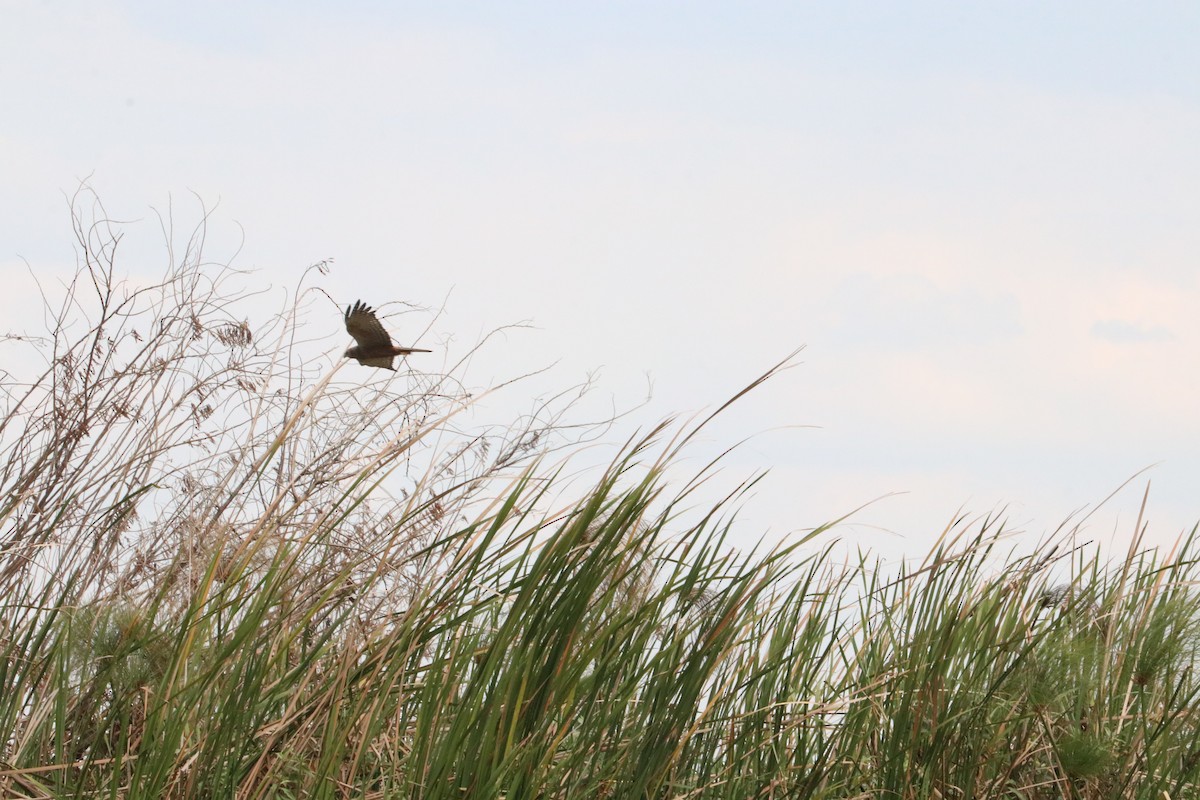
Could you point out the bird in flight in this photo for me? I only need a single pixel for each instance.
(372, 345)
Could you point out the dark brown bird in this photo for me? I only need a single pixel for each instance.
(373, 347)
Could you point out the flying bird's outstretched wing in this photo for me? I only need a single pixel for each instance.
(373, 346)
(365, 327)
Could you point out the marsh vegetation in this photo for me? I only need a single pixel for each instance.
(227, 572)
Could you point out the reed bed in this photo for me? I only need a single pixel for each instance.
(226, 574)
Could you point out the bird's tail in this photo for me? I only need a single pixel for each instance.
(403, 351)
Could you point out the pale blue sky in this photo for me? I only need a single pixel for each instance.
(982, 218)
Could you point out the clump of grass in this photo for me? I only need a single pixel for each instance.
(224, 574)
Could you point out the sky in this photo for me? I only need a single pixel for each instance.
(980, 220)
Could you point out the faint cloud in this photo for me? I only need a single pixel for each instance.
(1122, 332)
(610, 129)
(910, 310)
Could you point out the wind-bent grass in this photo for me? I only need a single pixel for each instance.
(222, 578)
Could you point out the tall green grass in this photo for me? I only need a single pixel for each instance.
(225, 574)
